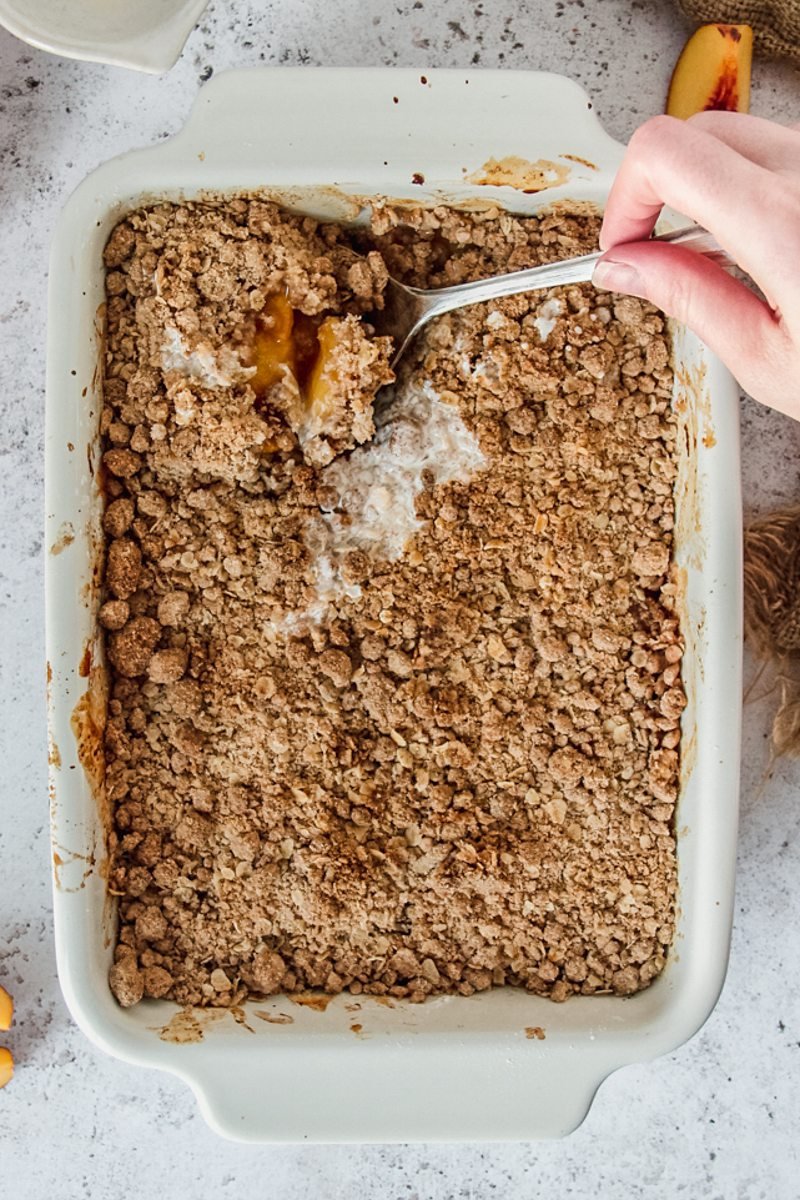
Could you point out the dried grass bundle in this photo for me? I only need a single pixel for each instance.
(772, 614)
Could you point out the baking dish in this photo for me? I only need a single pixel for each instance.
(454, 1067)
(147, 36)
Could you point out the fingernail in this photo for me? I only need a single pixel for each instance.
(613, 276)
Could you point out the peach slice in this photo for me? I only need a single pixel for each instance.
(290, 344)
(6, 1015)
(274, 345)
(6, 1009)
(324, 379)
(6, 1066)
(285, 344)
(285, 347)
(713, 72)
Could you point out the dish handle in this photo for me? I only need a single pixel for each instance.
(328, 1094)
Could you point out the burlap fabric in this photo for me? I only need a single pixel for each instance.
(775, 23)
(772, 615)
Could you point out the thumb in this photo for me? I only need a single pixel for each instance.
(733, 322)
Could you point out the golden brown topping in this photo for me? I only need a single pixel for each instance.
(118, 517)
(338, 762)
(114, 614)
(130, 649)
(123, 568)
(123, 463)
(167, 666)
(126, 982)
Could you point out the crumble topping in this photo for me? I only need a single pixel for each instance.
(403, 718)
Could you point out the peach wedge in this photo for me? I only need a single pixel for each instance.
(6, 1066)
(713, 72)
(6, 1016)
(6, 1009)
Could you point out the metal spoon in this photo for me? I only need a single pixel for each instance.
(407, 309)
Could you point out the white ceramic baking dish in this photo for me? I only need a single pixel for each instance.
(452, 1068)
(147, 35)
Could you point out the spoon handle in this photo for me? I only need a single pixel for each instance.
(558, 274)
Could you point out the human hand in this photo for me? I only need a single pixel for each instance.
(739, 177)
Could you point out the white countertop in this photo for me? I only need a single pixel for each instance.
(717, 1119)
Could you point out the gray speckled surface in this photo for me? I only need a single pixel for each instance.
(718, 1118)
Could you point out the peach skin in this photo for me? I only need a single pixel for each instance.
(713, 72)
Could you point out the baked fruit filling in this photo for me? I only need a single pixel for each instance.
(321, 374)
(395, 665)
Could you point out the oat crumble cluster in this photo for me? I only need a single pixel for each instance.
(344, 752)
